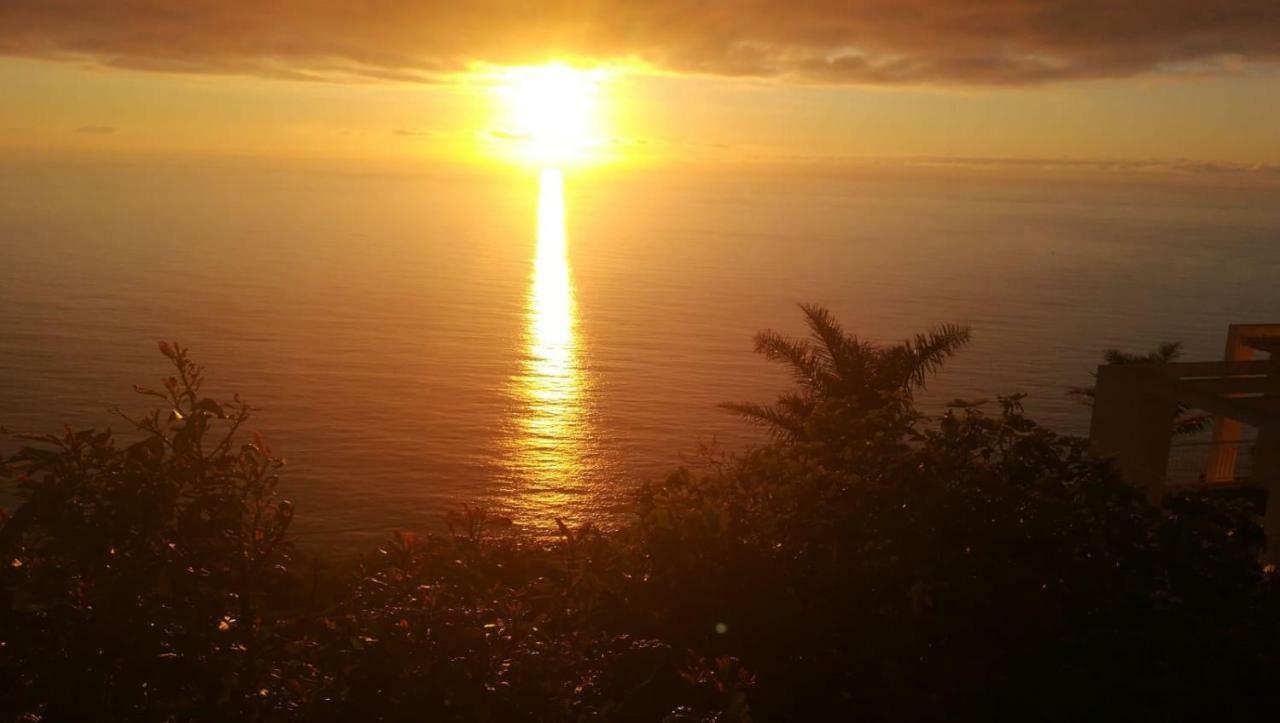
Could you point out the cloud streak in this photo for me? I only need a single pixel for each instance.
(886, 42)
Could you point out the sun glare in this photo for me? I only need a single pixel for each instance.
(553, 452)
(551, 113)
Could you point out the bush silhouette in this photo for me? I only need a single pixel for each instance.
(141, 577)
(868, 563)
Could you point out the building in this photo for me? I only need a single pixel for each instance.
(1135, 406)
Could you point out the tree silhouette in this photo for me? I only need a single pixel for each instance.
(833, 368)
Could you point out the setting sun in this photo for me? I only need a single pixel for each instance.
(550, 113)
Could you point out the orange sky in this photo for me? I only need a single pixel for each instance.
(705, 82)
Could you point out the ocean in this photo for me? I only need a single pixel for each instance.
(543, 342)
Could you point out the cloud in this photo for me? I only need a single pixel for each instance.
(411, 133)
(1153, 166)
(96, 130)
(892, 42)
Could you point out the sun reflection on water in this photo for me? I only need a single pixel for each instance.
(551, 455)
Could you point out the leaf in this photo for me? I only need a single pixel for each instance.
(212, 407)
(564, 529)
(147, 391)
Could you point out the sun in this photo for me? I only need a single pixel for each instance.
(550, 113)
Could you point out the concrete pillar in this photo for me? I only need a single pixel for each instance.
(1133, 427)
(1221, 465)
(1266, 467)
(1266, 470)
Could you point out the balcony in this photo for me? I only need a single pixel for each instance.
(1135, 406)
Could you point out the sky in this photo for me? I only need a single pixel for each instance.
(1191, 84)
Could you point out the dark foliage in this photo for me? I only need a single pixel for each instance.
(136, 575)
(870, 564)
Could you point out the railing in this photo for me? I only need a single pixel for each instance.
(1188, 461)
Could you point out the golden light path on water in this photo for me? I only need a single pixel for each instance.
(551, 456)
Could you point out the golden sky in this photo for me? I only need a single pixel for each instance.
(676, 81)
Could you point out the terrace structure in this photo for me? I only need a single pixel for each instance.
(1135, 406)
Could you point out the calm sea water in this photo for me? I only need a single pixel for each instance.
(542, 344)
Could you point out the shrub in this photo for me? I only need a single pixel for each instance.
(139, 576)
(867, 563)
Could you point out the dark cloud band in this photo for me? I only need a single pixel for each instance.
(968, 42)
